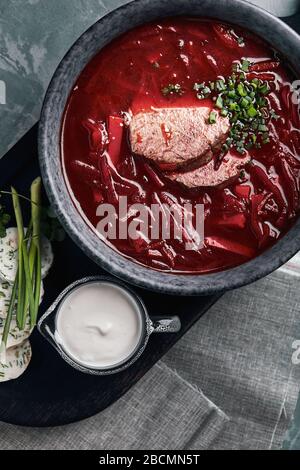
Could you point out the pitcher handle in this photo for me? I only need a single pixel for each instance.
(166, 324)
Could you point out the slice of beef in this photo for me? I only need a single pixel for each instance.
(207, 176)
(175, 137)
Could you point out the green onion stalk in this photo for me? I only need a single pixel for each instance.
(8, 319)
(27, 284)
(21, 283)
(35, 248)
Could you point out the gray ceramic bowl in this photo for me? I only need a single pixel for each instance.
(106, 29)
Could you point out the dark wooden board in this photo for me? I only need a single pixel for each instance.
(51, 392)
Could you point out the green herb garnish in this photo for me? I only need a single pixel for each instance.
(224, 112)
(244, 102)
(172, 89)
(220, 85)
(219, 102)
(245, 65)
(203, 91)
(198, 86)
(213, 117)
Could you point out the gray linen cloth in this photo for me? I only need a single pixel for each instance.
(229, 383)
(292, 441)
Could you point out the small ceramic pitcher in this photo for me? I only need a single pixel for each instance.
(47, 326)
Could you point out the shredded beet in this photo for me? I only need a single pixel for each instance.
(97, 135)
(229, 245)
(237, 221)
(115, 137)
(225, 35)
(242, 191)
(156, 180)
(88, 173)
(107, 180)
(264, 66)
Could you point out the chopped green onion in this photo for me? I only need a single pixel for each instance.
(225, 148)
(266, 138)
(231, 94)
(244, 103)
(172, 88)
(198, 86)
(245, 65)
(241, 90)
(206, 91)
(224, 112)
(252, 112)
(264, 89)
(263, 128)
(219, 102)
(234, 107)
(220, 85)
(212, 117)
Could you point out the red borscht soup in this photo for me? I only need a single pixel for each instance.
(187, 111)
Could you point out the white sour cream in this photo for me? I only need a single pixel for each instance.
(99, 325)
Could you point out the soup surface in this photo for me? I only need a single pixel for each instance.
(187, 111)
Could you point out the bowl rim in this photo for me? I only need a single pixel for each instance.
(116, 263)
